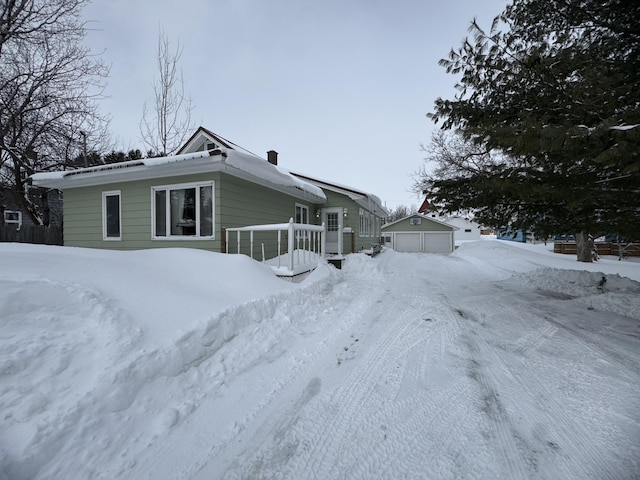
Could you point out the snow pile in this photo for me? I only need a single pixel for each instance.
(610, 293)
(180, 363)
(89, 338)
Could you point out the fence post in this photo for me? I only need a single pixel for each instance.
(291, 244)
(323, 240)
(225, 240)
(279, 246)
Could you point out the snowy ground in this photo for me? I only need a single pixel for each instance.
(501, 361)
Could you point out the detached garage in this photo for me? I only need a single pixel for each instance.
(418, 233)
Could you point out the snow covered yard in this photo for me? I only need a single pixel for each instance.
(499, 361)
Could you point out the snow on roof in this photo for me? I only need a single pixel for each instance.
(356, 195)
(421, 216)
(237, 163)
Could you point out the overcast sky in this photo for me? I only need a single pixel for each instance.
(340, 88)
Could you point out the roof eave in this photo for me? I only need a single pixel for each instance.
(139, 170)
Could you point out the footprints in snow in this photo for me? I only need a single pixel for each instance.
(349, 352)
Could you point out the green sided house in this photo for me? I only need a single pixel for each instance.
(419, 233)
(195, 198)
(357, 214)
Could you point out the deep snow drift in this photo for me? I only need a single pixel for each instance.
(498, 361)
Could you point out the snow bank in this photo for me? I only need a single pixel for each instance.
(91, 338)
(113, 364)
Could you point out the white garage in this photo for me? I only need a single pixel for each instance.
(419, 233)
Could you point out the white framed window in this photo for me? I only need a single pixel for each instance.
(302, 213)
(415, 221)
(13, 216)
(362, 223)
(302, 216)
(111, 215)
(182, 211)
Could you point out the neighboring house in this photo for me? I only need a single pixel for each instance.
(190, 199)
(16, 224)
(11, 211)
(419, 233)
(467, 230)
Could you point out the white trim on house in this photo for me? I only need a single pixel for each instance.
(301, 218)
(421, 216)
(105, 216)
(232, 162)
(368, 201)
(13, 217)
(198, 216)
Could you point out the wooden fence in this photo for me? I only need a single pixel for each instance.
(604, 248)
(47, 235)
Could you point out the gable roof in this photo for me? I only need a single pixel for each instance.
(366, 200)
(202, 137)
(231, 161)
(371, 202)
(419, 215)
(424, 208)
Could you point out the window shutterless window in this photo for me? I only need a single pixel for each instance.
(302, 213)
(183, 210)
(111, 216)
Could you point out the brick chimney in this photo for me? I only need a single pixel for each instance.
(272, 157)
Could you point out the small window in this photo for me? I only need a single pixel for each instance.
(183, 211)
(111, 216)
(467, 230)
(415, 221)
(13, 216)
(302, 214)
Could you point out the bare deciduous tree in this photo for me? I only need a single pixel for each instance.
(170, 122)
(49, 84)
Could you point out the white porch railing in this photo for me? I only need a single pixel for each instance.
(304, 244)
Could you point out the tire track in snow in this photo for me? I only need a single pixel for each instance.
(492, 407)
(572, 439)
(428, 425)
(186, 459)
(355, 394)
(518, 382)
(534, 339)
(489, 402)
(427, 415)
(276, 451)
(597, 347)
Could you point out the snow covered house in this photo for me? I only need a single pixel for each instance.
(419, 233)
(194, 198)
(467, 229)
(357, 214)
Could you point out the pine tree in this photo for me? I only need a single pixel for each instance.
(553, 92)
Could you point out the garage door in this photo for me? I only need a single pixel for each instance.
(437, 242)
(407, 242)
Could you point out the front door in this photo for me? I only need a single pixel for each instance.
(333, 227)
